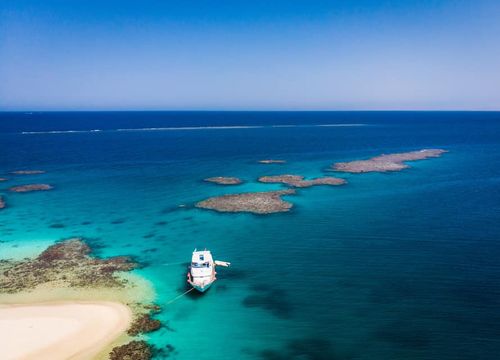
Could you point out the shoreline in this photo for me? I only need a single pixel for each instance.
(64, 295)
(62, 329)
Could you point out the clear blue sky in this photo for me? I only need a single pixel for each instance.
(284, 54)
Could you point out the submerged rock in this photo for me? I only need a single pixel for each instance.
(3, 179)
(134, 350)
(389, 162)
(257, 202)
(65, 264)
(31, 187)
(298, 180)
(143, 323)
(272, 161)
(222, 180)
(27, 172)
(2, 203)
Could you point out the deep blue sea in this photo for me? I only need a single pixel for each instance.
(390, 266)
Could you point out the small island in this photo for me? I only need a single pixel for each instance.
(223, 180)
(298, 180)
(389, 162)
(257, 202)
(27, 172)
(31, 187)
(272, 161)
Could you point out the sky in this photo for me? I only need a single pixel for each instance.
(249, 55)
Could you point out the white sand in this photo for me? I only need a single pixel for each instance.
(64, 330)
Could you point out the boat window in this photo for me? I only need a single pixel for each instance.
(198, 265)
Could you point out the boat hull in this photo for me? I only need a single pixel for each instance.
(201, 288)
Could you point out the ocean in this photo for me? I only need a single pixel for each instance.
(398, 265)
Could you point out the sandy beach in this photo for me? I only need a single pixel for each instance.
(60, 330)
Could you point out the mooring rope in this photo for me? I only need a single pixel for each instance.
(179, 296)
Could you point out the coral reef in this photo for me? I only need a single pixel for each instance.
(222, 180)
(256, 202)
(31, 187)
(298, 180)
(65, 264)
(389, 162)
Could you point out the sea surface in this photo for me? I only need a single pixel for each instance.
(390, 266)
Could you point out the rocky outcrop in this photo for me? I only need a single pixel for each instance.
(30, 188)
(222, 180)
(389, 162)
(257, 202)
(298, 180)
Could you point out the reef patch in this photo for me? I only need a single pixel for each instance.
(272, 161)
(389, 162)
(300, 182)
(134, 350)
(30, 188)
(223, 180)
(28, 172)
(65, 264)
(257, 202)
(142, 324)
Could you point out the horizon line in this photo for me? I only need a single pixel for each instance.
(248, 110)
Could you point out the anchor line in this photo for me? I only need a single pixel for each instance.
(179, 296)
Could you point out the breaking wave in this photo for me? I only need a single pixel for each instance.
(187, 128)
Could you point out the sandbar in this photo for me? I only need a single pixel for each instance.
(387, 162)
(298, 180)
(257, 202)
(52, 331)
(31, 187)
(224, 180)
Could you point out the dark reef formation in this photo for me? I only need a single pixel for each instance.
(389, 162)
(298, 180)
(272, 161)
(134, 350)
(222, 180)
(27, 172)
(143, 323)
(31, 187)
(256, 202)
(66, 264)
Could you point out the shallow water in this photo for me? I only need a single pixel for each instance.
(401, 265)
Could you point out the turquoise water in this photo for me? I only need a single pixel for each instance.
(390, 266)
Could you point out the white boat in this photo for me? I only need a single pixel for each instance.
(202, 273)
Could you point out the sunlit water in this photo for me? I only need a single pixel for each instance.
(390, 266)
